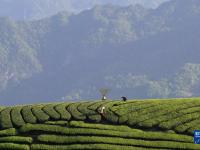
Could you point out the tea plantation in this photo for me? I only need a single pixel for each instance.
(132, 125)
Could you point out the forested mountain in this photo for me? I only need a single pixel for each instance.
(135, 51)
(37, 9)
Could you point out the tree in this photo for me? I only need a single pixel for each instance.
(104, 92)
(186, 80)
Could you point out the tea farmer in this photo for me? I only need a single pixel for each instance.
(104, 98)
(124, 98)
(102, 110)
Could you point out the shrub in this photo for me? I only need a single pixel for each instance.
(193, 125)
(115, 140)
(28, 115)
(12, 146)
(146, 116)
(96, 105)
(42, 127)
(16, 116)
(81, 131)
(72, 108)
(94, 118)
(122, 104)
(128, 108)
(8, 132)
(84, 146)
(40, 114)
(58, 129)
(123, 119)
(82, 124)
(64, 123)
(177, 110)
(83, 108)
(5, 120)
(49, 109)
(132, 111)
(61, 109)
(110, 115)
(1, 108)
(179, 120)
(16, 139)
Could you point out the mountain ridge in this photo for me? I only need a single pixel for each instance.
(101, 45)
(37, 9)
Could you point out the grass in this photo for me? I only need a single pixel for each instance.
(135, 124)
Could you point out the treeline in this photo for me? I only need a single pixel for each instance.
(185, 83)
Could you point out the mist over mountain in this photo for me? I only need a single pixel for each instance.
(135, 51)
(37, 9)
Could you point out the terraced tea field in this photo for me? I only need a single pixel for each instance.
(134, 125)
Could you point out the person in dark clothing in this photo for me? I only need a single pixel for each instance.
(124, 98)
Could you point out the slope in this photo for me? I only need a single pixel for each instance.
(135, 124)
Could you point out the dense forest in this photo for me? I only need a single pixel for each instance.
(135, 51)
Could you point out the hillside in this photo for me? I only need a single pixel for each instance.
(135, 124)
(135, 51)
